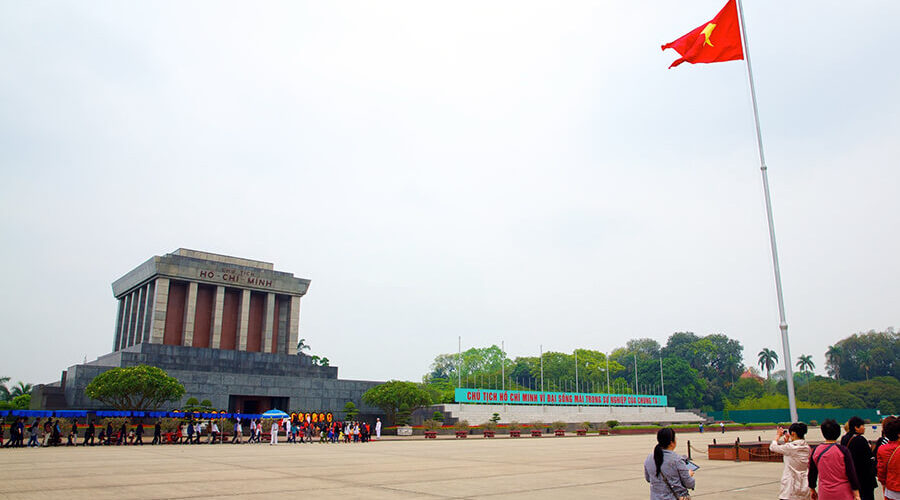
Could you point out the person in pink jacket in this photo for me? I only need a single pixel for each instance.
(790, 442)
(889, 460)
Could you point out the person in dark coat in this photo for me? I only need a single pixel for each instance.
(863, 458)
(190, 433)
(89, 434)
(109, 433)
(157, 434)
(72, 438)
(139, 434)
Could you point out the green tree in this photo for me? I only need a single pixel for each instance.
(139, 387)
(4, 391)
(833, 357)
(746, 388)
(866, 355)
(805, 365)
(684, 385)
(767, 359)
(19, 389)
(350, 410)
(396, 395)
(20, 402)
(864, 360)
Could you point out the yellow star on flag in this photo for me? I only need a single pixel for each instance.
(707, 32)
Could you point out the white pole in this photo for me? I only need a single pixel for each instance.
(662, 383)
(608, 401)
(502, 366)
(459, 363)
(542, 367)
(576, 370)
(635, 374)
(786, 350)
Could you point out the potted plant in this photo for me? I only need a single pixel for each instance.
(431, 427)
(559, 427)
(583, 428)
(536, 428)
(462, 428)
(610, 425)
(515, 429)
(488, 428)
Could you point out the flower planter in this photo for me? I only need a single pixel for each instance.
(430, 434)
(603, 432)
(462, 434)
(515, 434)
(560, 432)
(581, 432)
(535, 433)
(488, 434)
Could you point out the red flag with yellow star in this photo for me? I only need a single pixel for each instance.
(716, 41)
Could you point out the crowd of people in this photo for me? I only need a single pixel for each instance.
(51, 432)
(846, 467)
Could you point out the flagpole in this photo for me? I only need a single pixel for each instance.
(786, 350)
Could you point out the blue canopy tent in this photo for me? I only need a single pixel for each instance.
(70, 413)
(275, 413)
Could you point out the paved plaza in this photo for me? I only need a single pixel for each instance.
(525, 468)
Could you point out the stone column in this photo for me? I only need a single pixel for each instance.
(148, 312)
(218, 305)
(190, 314)
(125, 325)
(118, 337)
(243, 320)
(139, 324)
(160, 304)
(269, 321)
(294, 328)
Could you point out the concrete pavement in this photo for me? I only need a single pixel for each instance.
(476, 468)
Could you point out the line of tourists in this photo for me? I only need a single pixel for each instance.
(840, 468)
(51, 433)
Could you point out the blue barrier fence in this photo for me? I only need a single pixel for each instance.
(103, 413)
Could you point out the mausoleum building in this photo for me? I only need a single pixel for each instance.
(226, 327)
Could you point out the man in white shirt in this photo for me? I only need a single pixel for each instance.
(274, 439)
(377, 428)
(238, 432)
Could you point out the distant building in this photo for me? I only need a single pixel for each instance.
(750, 374)
(226, 327)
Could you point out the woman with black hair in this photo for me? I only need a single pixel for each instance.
(863, 458)
(790, 442)
(666, 471)
(832, 475)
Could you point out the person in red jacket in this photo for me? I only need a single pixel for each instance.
(889, 461)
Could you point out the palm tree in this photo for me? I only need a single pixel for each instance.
(864, 359)
(805, 364)
(302, 346)
(833, 359)
(767, 360)
(4, 391)
(20, 389)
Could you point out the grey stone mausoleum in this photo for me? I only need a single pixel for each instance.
(226, 327)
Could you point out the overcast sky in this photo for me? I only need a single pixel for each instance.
(520, 171)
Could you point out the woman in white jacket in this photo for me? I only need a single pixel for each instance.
(790, 442)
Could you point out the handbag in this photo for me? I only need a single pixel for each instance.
(685, 497)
